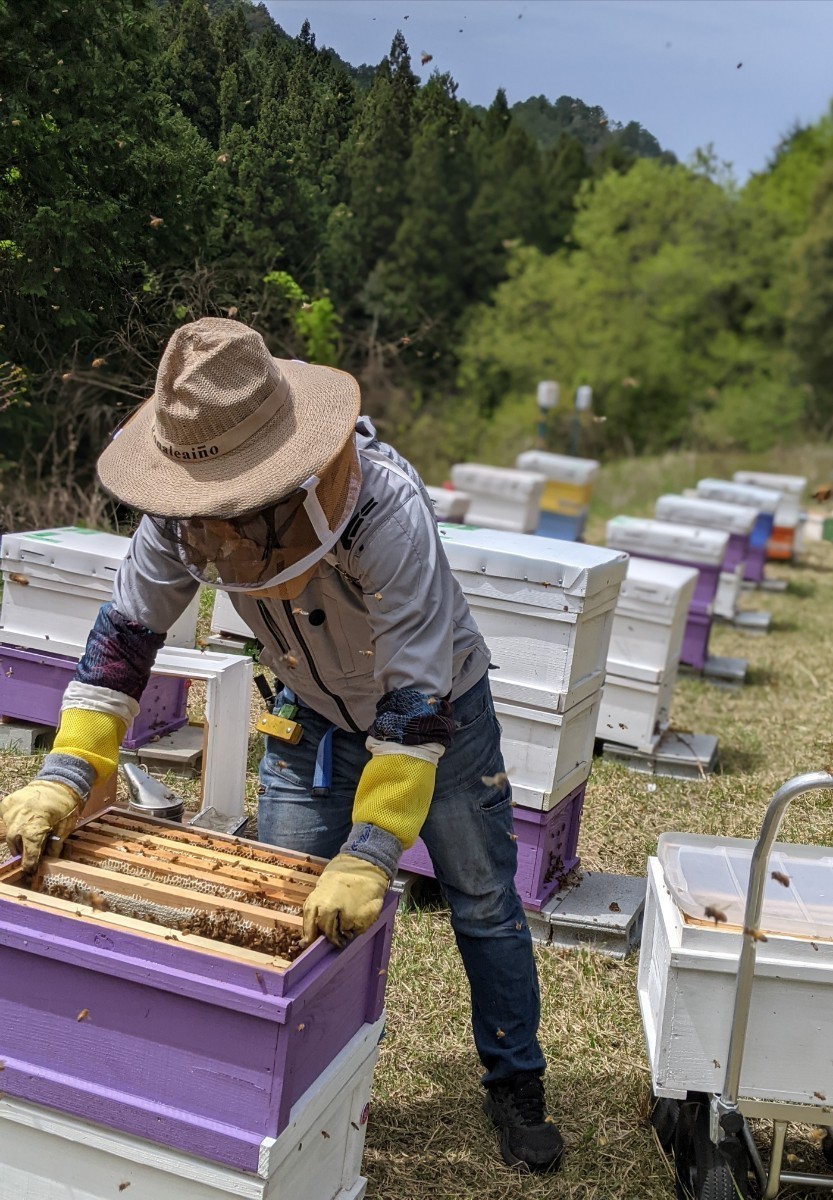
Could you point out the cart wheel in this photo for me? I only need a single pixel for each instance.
(664, 1115)
(704, 1171)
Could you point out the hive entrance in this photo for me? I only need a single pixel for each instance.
(224, 894)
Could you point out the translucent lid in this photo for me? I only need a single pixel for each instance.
(714, 514)
(704, 872)
(561, 467)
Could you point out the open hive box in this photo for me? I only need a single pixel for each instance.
(152, 981)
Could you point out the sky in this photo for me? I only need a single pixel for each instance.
(672, 65)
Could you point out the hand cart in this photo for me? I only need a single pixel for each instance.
(736, 996)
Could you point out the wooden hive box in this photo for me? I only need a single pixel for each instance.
(121, 1004)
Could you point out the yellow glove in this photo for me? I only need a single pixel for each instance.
(395, 793)
(93, 736)
(346, 900)
(34, 813)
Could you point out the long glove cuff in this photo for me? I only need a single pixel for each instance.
(375, 845)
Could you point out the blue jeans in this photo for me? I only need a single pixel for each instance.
(468, 833)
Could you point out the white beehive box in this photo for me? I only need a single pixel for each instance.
(649, 621)
(47, 1155)
(226, 621)
(55, 581)
(544, 607)
(449, 504)
(634, 712)
(765, 500)
(561, 467)
(501, 498)
(668, 540)
(708, 514)
(791, 487)
(547, 754)
(729, 588)
(686, 986)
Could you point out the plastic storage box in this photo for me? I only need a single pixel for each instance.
(32, 685)
(765, 500)
(45, 1153)
(544, 607)
(501, 498)
(686, 985)
(547, 849)
(55, 581)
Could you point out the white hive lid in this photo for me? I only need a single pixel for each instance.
(559, 467)
(711, 514)
(505, 482)
(686, 543)
(764, 499)
(571, 567)
(657, 583)
(71, 549)
(794, 485)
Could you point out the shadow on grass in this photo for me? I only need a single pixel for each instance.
(761, 677)
(805, 588)
(737, 760)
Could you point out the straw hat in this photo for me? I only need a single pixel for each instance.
(229, 429)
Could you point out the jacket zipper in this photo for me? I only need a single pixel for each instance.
(268, 620)
(271, 626)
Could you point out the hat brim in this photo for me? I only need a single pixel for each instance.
(305, 436)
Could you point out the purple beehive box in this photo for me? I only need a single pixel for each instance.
(190, 1049)
(695, 648)
(546, 843)
(32, 684)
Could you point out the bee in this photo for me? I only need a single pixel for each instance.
(154, 222)
(425, 58)
(98, 362)
(378, 596)
(781, 878)
(714, 914)
(499, 1033)
(756, 935)
(222, 158)
(82, 1016)
(495, 780)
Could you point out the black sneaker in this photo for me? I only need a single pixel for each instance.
(528, 1137)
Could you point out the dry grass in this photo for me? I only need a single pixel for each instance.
(427, 1137)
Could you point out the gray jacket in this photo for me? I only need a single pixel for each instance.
(382, 612)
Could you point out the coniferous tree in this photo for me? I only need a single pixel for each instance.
(190, 68)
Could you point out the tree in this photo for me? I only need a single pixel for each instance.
(810, 316)
(190, 68)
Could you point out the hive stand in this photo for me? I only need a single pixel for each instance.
(725, 672)
(598, 912)
(675, 755)
(751, 622)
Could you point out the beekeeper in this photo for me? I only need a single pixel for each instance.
(258, 475)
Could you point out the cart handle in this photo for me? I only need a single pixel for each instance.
(816, 781)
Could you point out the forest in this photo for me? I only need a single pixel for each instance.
(167, 160)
